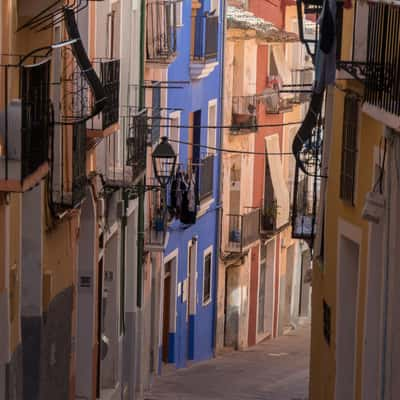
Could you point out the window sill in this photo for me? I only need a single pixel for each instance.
(205, 206)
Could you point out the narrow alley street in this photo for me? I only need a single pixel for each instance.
(273, 370)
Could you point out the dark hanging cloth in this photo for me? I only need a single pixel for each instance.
(327, 38)
(189, 206)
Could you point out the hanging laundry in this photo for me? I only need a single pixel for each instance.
(325, 64)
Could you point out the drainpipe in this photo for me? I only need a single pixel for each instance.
(386, 270)
(220, 186)
(140, 242)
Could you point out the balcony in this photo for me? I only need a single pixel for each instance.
(136, 128)
(268, 218)
(302, 79)
(244, 114)
(26, 124)
(383, 48)
(156, 229)
(243, 230)
(106, 122)
(206, 183)
(204, 56)
(161, 31)
(69, 178)
(304, 212)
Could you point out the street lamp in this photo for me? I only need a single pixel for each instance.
(164, 161)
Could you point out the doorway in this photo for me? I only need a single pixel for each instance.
(305, 286)
(166, 310)
(346, 318)
(191, 295)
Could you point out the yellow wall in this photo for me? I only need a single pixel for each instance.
(324, 276)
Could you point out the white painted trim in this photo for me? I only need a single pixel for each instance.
(132, 206)
(212, 103)
(108, 234)
(175, 115)
(368, 388)
(192, 278)
(379, 114)
(354, 234)
(174, 287)
(204, 207)
(206, 252)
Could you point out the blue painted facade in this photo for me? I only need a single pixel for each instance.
(193, 337)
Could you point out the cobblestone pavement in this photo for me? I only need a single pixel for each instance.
(273, 370)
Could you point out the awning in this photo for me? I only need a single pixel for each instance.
(278, 180)
(281, 65)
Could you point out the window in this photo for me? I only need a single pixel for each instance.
(212, 121)
(174, 131)
(207, 277)
(349, 148)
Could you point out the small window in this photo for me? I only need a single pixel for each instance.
(349, 148)
(212, 122)
(174, 132)
(207, 278)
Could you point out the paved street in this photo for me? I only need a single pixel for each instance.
(273, 370)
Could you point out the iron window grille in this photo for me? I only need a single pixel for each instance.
(349, 148)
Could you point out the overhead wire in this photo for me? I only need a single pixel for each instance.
(250, 126)
(224, 150)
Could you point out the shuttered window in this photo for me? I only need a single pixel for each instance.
(349, 148)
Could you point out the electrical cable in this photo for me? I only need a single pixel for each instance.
(250, 126)
(255, 153)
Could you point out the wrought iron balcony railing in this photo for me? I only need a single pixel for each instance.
(26, 122)
(205, 45)
(68, 178)
(268, 215)
(136, 127)
(109, 72)
(382, 81)
(302, 79)
(307, 148)
(244, 113)
(243, 230)
(156, 229)
(161, 31)
(125, 155)
(206, 183)
(304, 206)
